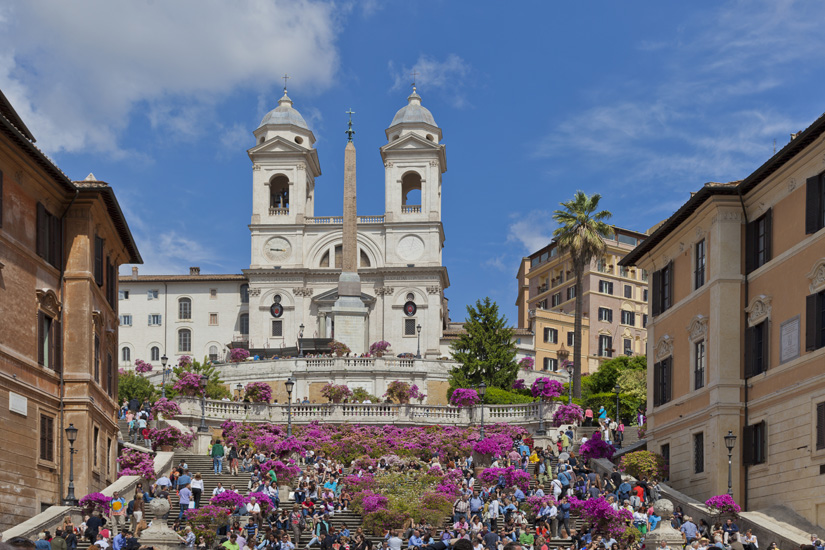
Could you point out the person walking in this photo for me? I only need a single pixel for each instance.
(197, 489)
(118, 507)
(217, 457)
(185, 496)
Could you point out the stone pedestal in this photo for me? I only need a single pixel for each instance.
(350, 314)
(664, 531)
(159, 535)
(201, 444)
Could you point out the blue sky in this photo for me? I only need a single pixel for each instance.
(642, 102)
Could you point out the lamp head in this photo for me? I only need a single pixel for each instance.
(301, 328)
(239, 387)
(204, 380)
(71, 433)
(290, 383)
(617, 389)
(730, 440)
(570, 369)
(164, 360)
(482, 389)
(418, 328)
(540, 384)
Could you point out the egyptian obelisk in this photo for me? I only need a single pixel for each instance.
(349, 311)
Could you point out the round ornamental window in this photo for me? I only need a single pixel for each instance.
(410, 297)
(276, 299)
(410, 309)
(276, 310)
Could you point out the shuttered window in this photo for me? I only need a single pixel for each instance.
(551, 335)
(699, 265)
(814, 204)
(662, 289)
(1, 198)
(605, 346)
(815, 321)
(98, 261)
(757, 358)
(820, 426)
(49, 240)
(662, 376)
(755, 444)
(46, 438)
(628, 318)
(698, 453)
(758, 240)
(97, 358)
(110, 375)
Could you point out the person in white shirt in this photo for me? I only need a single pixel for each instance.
(218, 490)
(254, 509)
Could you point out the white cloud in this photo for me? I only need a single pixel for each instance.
(448, 77)
(236, 138)
(532, 230)
(79, 72)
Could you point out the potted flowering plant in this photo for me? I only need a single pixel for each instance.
(567, 414)
(206, 520)
(549, 388)
(596, 447)
(228, 500)
(379, 348)
(170, 437)
(641, 464)
(258, 392)
(136, 463)
(519, 384)
(339, 348)
(95, 501)
(723, 505)
(185, 361)
(142, 367)
(238, 355)
(403, 392)
(336, 392)
(189, 384)
(464, 397)
(166, 407)
(527, 363)
(513, 477)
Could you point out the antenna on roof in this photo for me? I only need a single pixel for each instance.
(774, 146)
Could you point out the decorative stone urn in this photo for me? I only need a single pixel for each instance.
(664, 531)
(159, 535)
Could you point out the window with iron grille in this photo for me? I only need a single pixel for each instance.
(699, 264)
(698, 453)
(277, 328)
(699, 365)
(409, 327)
(46, 438)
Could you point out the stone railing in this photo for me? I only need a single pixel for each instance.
(276, 211)
(368, 413)
(411, 209)
(332, 220)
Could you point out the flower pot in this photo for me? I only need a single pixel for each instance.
(379, 354)
(339, 353)
(166, 448)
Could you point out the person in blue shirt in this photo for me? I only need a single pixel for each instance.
(416, 540)
(519, 494)
(118, 541)
(564, 517)
(654, 520)
(344, 532)
(476, 504)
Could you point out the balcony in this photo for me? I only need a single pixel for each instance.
(277, 211)
(333, 220)
(411, 209)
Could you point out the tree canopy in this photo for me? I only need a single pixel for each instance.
(486, 350)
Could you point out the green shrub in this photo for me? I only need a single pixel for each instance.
(497, 396)
(644, 464)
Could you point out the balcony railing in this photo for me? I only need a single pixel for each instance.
(332, 220)
(278, 211)
(411, 209)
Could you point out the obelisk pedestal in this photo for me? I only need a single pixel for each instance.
(349, 311)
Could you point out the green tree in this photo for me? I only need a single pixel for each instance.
(581, 234)
(485, 351)
(131, 385)
(215, 387)
(630, 373)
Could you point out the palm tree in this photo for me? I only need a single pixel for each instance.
(581, 234)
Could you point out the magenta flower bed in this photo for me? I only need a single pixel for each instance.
(596, 447)
(168, 408)
(228, 500)
(513, 477)
(171, 436)
(97, 501)
(519, 384)
(285, 472)
(238, 355)
(189, 384)
(258, 392)
(142, 367)
(550, 389)
(605, 520)
(464, 397)
(136, 463)
(723, 505)
(567, 414)
(527, 363)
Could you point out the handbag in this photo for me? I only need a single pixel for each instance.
(191, 505)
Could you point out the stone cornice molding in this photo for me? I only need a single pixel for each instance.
(664, 347)
(302, 291)
(759, 309)
(384, 290)
(698, 328)
(817, 276)
(48, 302)
(433, 290)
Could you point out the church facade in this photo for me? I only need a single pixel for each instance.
(291, 286)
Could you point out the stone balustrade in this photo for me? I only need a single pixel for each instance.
(332, 220)
(527, 414)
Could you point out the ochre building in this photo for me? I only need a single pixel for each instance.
(737, 334)
(61, 243)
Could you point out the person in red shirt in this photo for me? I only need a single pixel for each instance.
(640, 492)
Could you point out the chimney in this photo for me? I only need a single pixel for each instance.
(796, 135)
(134, 273)
(194, 271)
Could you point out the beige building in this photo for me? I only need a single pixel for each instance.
(737, 334)
(61, 243)
(615, 304)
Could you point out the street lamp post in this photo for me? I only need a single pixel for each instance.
(290, 383)
(570, 384)
(418, 351)
(300, 335)
(730, 441)
(618, 390)
(540, 387)
(163, 361)
(71, 435)
(239, 389)
(202, 428)
(482, 389)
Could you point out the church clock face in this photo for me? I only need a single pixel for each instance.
(410, 248)
(277, 250)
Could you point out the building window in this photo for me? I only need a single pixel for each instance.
(213, 353)
(277, 328)
(758, 236)
(698, 453)
(644, 295)
(184, 308)
(628, 291)
(551, 335)
(605, 345)
(125, 354)
(154, 354)
(605, 287)
(815, 321)
(151, 294)
(49, 237)
(699, 263)
(44, 337)
(409, 327)
(623, 271)
(571, 338)
(571, 292)
(628, 346)
(126, 320)
(755, 445)
(605, 314)
(556, 299)
(644, 320)
(665, 452)
(244, 293)
(757, 357)
(110, 375)
(243, 323)
(551, 364)
(628, 318)
(184, 340)
(820, 426)
(155, 319)
(699, 365)
(1, 198)
(123, 294)
(213, 293)
(662, 381)
(213, 319)
(97, 358)
(96, 445)
(46, 438)
(814, 204)
(663, 289)
(109, 455)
